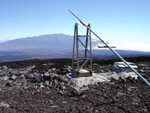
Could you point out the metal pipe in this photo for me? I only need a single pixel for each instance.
(113, 51)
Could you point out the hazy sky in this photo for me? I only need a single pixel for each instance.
(125, 23)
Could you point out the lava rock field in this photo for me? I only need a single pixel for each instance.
(42, 87)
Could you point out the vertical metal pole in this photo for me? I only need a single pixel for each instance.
(77, 46)
(74, 42)
(90, 40)
(86, 43)
(78, 63)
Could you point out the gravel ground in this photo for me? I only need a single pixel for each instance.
(39, 87)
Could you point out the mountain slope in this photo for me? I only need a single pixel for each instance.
(53, 41)
(53, 46)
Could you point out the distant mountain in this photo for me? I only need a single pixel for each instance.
(53, 41)
(52, 46)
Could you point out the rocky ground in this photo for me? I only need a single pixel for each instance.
(42, 87)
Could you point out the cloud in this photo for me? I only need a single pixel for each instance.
(138, 46)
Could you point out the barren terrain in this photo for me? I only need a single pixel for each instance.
(41, 87)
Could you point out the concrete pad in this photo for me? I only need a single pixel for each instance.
(81, 83)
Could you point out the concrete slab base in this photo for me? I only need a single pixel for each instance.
(82, 73)
(81, 83)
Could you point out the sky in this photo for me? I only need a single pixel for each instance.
(123, 23)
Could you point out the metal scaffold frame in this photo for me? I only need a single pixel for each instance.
(113, 51)
(82, 61)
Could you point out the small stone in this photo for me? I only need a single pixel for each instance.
(37, 77)
(22, 76)
(83, 96)
(53, 69)
(13, 77)
(63, 87)
(46, 74)
(8, 84)
(29, 76)
(46, 83)
(0, 70)
(15, 72)
(64, 102)
(41, 85)
(144, 109)
(96, 111)
(4, 104)
(5, 67)
(54, 106)
(25, 87)
(28, 69)
(51, 101)
(5, 78)
(120, 94)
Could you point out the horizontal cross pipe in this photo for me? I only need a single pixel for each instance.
(113, 51)
(81, 35)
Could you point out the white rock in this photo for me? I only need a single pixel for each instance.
(5, 78)
(13, 77)
(54, 106)
(46, 74)
(64, 102)
(4, 104)
(5, 67)
(81, 83)
(47, 83)
(22, 76)
(124, 75)
(41, 85)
